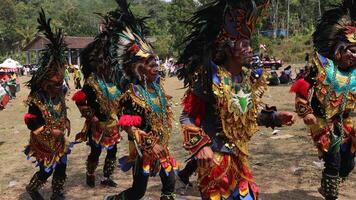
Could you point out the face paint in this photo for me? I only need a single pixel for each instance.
(151, 69)
(53, 82)
(347, 57)
(242, 52)
(350, 34)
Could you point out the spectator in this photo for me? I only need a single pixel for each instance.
(77, 78)
(273, 78)
(3, 96)
(66, 77)
(307, 59)
(286, 76)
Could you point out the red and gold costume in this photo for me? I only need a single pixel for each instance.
(202, 116)
(321, 80)
(153, 122)
(99, 99)
(45, 147)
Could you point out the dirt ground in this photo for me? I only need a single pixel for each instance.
(284, 166)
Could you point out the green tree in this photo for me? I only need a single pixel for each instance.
(8, 36)
(180, 11)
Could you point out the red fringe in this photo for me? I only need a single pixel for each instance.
(301, 87)
(79, 97)
(28, 116)
(130, 120)
(194, 106)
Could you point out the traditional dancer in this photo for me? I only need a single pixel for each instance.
(326, 96)
(47, 115)
(221, 107)
(98, 101)
(146, 114)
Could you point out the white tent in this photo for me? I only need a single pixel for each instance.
(10, 65)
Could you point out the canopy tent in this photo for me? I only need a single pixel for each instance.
(10, 65)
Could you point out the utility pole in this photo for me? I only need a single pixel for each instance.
(288, 15)
(319, 4)
(275, 17)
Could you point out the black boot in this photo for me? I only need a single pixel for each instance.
(108, 182)
(330, 187)
(187, 172)
(184, 179)
(33, 187)
(171, 196)
(57, 188)
(120, 196)
(91, 167)
(109, 168)
(91, 180)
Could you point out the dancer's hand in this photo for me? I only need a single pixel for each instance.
(286, 118)
(158, 151)
(206, 157)
(94, 119)
(95, 124)
(57, 132)
(309, 119)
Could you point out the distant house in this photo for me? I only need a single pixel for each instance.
(279, 33)
(75, 45)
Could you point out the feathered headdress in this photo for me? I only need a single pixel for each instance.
(53, 57)
(214, 25)
(122, 41)
(336, 29)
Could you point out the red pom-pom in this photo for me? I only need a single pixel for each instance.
(195, 107)
(301, 87)
(28, 117)
(79, 97)
(348, 128)
(130, 120)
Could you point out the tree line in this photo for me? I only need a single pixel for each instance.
(77, 18)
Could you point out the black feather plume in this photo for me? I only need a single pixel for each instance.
(329, 32)
(55, 51)
(350, 5)
(206, 24)
(108, 41)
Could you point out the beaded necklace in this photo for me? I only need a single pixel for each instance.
(336, 142)
(54, 111)
(149, 97)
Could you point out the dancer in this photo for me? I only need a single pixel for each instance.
(47, 115)
(98, 102)
(221, 106)
(146, 114)
(325, 97)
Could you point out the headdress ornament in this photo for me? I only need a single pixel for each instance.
(53, 58)
(123, 41)
(218, 23)
(336, 29)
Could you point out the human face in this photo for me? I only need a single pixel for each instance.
(346, 58)
(241, 52)
(53, 82)
(151, 69)
(54, 85)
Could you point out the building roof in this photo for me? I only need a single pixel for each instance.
(40, 42)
